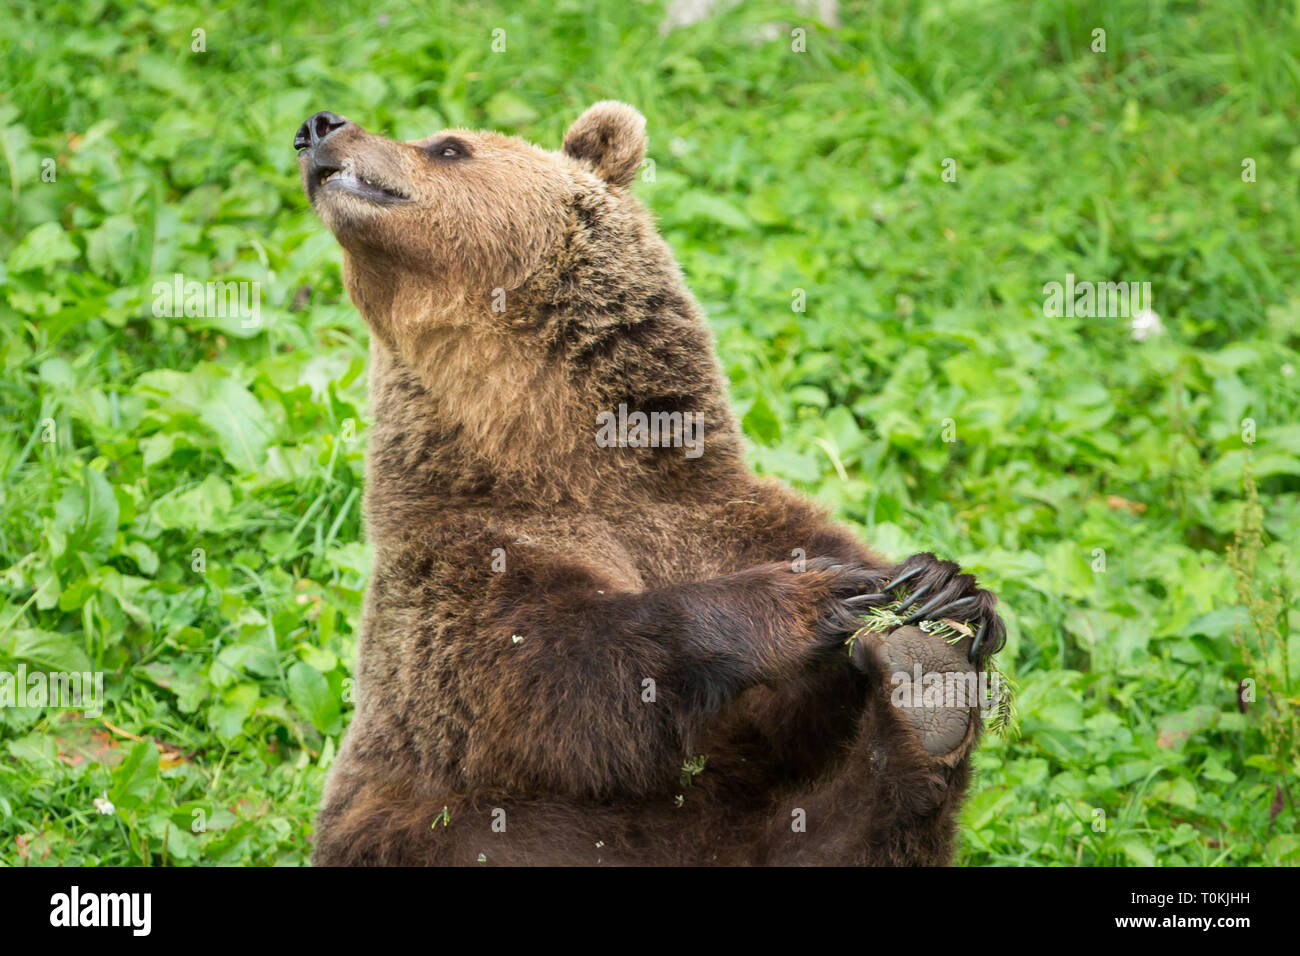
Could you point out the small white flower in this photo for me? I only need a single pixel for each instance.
(104, 805)
(516, 638)
(1145, 325)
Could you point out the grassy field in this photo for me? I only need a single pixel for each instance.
(181, 495)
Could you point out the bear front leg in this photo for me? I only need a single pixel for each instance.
(578, 689)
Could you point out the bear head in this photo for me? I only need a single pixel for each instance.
(465, 212)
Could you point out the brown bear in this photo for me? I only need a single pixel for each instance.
(591, 635)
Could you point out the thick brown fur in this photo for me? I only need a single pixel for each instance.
(553, 627)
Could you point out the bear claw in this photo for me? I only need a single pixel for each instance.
(942, 592)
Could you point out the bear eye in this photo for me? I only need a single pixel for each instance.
(448, 149)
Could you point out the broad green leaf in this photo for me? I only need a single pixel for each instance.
(135, 778)
(237, 704)
(47, 650)
(312, 697)
(240, 423)
(42, 247)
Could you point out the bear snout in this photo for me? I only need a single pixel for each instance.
(317, 128)
(338, 157)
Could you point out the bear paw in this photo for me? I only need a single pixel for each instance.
(939, 708)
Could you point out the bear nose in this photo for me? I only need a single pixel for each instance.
(317, 127)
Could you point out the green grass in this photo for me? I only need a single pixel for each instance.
(193, 529)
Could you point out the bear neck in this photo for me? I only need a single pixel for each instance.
(472, 406)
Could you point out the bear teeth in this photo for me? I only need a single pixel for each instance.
(354, 177)
(334, 173)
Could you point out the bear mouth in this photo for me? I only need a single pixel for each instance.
(336, 178)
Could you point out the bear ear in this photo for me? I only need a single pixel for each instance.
(611, 137)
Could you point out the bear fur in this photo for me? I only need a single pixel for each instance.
(559, 632)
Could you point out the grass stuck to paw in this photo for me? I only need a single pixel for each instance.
(887, 617)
